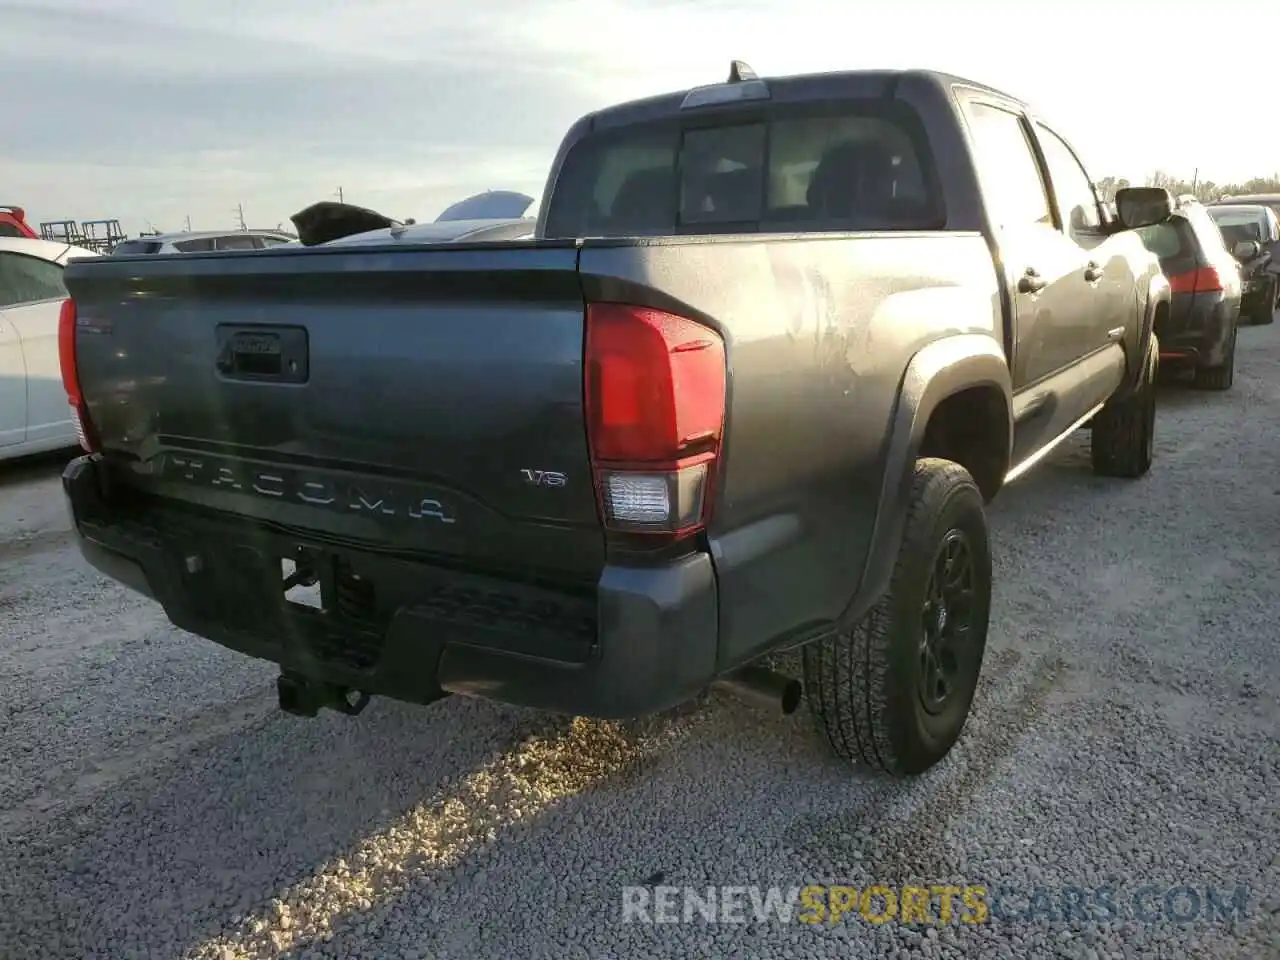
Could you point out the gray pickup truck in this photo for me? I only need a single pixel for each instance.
(774, 345)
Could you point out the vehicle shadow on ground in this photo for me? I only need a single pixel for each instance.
(403, 809)
(282, 796)
(531, 836)
(1176, 392)
(24, 470)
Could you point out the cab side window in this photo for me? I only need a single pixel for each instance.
(1077, 203)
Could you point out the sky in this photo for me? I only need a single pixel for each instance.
(153, 111)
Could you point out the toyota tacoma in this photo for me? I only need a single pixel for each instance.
(773, 346)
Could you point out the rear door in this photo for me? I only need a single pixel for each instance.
(31, 295)
(1054, 304)
(1104, 258)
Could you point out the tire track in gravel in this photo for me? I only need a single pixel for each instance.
(25, 546)
(75, 789)
(891, 847)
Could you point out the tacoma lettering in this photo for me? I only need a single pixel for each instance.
(365, 497)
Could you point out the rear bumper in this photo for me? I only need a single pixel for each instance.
(643, 640)
(1196, 330)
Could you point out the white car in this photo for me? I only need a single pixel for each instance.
(34, 416)
(204, 242)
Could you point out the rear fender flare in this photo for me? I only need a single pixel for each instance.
(936, 372)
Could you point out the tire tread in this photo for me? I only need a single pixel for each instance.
(846, 674)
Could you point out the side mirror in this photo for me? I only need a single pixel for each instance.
(1246, 250)
(1143, 206)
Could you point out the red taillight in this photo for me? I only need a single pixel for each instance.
(655, 399)
(1200, 280)
(71, 376)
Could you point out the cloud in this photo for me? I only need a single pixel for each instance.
(154, 111)
(270, 104)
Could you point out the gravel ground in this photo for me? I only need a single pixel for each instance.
(154, 804)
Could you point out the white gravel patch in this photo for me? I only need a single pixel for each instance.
(1127, 734)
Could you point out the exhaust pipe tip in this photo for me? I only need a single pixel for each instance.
(765, 687)
(792, 694)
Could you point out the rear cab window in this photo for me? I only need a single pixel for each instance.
(861, 167)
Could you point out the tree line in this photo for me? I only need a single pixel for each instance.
(1202, 190)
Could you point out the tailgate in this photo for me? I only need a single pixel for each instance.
(418, 399)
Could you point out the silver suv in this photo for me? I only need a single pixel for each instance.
(202, 242)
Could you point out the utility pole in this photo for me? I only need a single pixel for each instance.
(240, 215)
(340, 195)
(1195, 177)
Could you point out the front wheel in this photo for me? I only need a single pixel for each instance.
(1123, 440)
(894, 691)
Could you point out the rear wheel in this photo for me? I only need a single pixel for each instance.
(1264, 311)
(1123, 440)
(1222, 376)
(895, 690)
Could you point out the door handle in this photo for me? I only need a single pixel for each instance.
(1092, 272)
(1031, 281)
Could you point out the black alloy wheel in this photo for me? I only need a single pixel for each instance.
(947, 622)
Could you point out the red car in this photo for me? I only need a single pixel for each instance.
(13, 222)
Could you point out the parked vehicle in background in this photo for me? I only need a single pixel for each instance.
(13, 222)
(1269, 200)
(516, 470)
(201, 242)
(327, 223)
(490, 205)
(1244, 224)
(1199, 331)
(33, 404)
(443, 231)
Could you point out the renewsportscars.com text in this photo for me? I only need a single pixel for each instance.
(933, 904)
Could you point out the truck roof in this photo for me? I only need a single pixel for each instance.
(801, 87)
